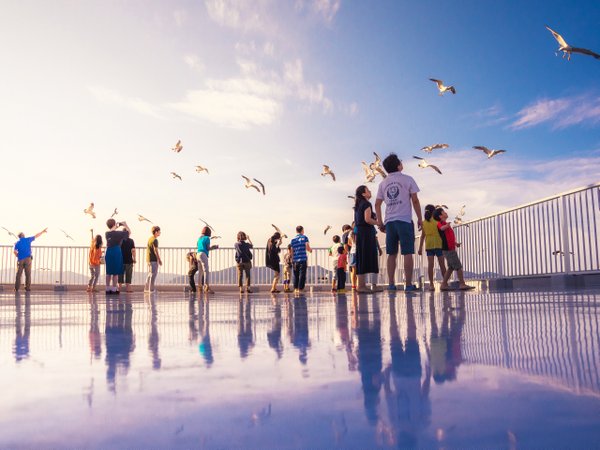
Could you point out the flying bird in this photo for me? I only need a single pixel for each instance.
(327, 171)
(200, 169)
(487, 151)
(458, 221)
(90, 210)
(205, 223)
(369, 173)
(178, 147)
(283, 235)
(442, 88)
(143, 219)
(262, 186)
(249, 184)
(352, 197)
(424, 164)
(174, 175)
(430, 148)
(10, 233)
(461, 213)
(327, 228)
(375, 166)
(441, 206)
(66, 234)
(567, 49)
(215, 237)
(115, 212)
(560, 252)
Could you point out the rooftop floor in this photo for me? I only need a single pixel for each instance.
(452, 369)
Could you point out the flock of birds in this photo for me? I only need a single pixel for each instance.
(371, 169)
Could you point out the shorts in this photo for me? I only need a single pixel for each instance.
(434, 252)
(452, 260)
(400, 232)
(352, 260)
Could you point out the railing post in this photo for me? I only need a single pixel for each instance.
(60, 271)
(499, 253)
(564, 225)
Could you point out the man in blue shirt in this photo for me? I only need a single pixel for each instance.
(22, 251)
(300, 246)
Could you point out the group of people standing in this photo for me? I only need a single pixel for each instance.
(358, 247)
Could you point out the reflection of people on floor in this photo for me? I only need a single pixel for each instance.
(120, 341)
(22, 328)
(245, 336)
(299, 328)
(193, 338)
(274, 334)
(407, 398)
(368, 334)
(95, 337)
(446, 350)
(205, 346)
(341, 323)
(153, 337)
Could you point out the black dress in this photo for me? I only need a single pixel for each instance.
(272, 256)
(367, 258)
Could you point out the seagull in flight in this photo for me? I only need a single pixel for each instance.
(487, 151)
(327, 171)
(458, 221)
(424, 164)
(369, 173)
(352, 197)
(375, 166)
(90, 210)
(115, 212)
(327, 228)
(249, 184)
(205, 223)
(461, 213)
(178, 147)
(567, 49)
(215, 237)
(174, 175)
(283, 235)
(560, 252)
(10, 233)
(143, 219)
(442, 88)
(200, 169)
(441, 206)
(66, 234)
(430, 148)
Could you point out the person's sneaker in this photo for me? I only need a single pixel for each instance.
(392, 287)
(249, 291)
(275, 291)
(410, 288)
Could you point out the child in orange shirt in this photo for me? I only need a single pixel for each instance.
(95, 259)
(342, 263)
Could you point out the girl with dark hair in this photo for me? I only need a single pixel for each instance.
(95, 258)
(273, 260)
(367, 260)
(433, 244)
(202, 256)
(243, 258)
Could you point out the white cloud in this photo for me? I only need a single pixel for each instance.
(239, 14)
(194, 63)
(236, 103)
(109, 96)
(293, 75)
(180, 16)
(500, 183)
(325, 10)
(562, 112)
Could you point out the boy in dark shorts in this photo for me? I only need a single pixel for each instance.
(449, 246)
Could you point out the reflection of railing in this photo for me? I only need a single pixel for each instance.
(68, 266)
(554, 235)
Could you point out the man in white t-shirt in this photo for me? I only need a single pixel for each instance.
(399, 193)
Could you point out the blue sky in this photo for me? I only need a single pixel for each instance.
(95, 94)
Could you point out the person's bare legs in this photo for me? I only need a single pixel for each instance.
(447, 276)
(391, 269)
(442, 263)
(430, 263)
(409, 264)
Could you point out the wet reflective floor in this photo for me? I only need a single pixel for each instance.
(443, 370)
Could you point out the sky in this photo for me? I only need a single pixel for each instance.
(95, 94)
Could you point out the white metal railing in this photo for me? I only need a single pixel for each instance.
(554, 235)
(67, 266)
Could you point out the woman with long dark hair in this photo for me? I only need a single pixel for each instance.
(367, 259)
(273, 260)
